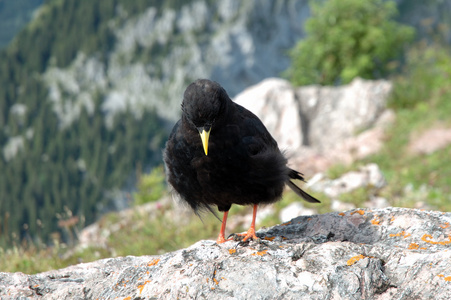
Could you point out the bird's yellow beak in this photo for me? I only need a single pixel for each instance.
(204, 135)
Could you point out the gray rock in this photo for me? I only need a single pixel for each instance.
(391, 253)
(376, 202)
(274, 101)
(318, 126)
(337, 205)
(367, 176)
(293, 210)
(336, 113)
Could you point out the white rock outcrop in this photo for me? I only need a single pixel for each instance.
(390, 253)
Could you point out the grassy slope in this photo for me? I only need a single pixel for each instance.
(421, 99)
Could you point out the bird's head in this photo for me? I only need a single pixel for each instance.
(203, 105)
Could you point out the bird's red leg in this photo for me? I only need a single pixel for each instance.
(221, 237)
(251, 232)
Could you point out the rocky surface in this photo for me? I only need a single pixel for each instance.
(320, 126)
(367, 176)
(316, 116)
(340, 112)
(391, 253)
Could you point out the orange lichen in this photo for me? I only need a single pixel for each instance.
(127, 298)
(341, 214)
(216, 281)
(414, 246)
(355, 259)
(261, 253)
(446, 225)
(427, 238)
(154, 262)
(360, 211)
(375, 221)
(269, 238)
(402, 233)
(309, 219)
(286, 223)
(447, 278)
(232, 251)
(141, 286)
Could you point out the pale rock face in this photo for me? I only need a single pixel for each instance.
(293, 210)
(273, 100)
(339, 112)
(368, 176)
(315, 123)
(390, 253)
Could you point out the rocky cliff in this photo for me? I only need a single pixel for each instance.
(160, 51)
(390, 253)
(321, 125)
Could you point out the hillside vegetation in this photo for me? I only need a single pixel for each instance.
(59, 175)
(49, 169)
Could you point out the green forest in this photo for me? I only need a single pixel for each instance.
(60, 172)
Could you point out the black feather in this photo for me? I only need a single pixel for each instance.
(244, 164)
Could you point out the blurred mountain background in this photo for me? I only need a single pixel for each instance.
(89, 91)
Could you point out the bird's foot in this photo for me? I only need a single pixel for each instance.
(244, 237)
(221, 239)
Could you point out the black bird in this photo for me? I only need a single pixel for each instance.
(219, 153)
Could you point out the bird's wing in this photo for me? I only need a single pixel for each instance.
(174, 130)
(252, 127)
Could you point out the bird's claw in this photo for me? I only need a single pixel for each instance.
(244, 237)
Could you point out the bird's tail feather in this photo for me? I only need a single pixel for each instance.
(200, 209)
(297, 175)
